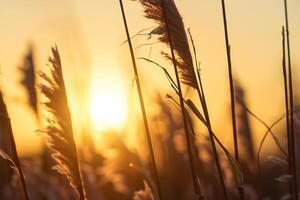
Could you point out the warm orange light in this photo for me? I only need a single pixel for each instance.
(108, 105)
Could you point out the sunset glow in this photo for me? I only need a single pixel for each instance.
(108, 107)
(149, 100)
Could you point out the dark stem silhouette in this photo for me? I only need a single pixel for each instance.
(286, 95)
(202, 99)
(232, 95)
(142, 104)
(291, 102)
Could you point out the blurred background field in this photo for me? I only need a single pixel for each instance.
(97, 72)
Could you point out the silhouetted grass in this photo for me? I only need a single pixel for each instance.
(142, 105)
(291, 103)
(7, 129)
(232, 95)
(59, 130)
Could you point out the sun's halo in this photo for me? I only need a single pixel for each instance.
(108, 108)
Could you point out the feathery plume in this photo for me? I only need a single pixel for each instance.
(243, 126)
(28, 78)
(153, 10)
(59, 125)
(6, 172)
(145, 194)
(5, 128)
(170, 31)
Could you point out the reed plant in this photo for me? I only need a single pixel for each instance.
(28, 81)
(170, 31)
(142, 105)
(232, 95)
(291, 143)
(12, 155)
(59, 131)
(286, 95)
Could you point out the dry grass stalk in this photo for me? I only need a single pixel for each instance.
(142, 105)
(153, 10)
(59, 125)
(171, 31)
(201, 95)
(232, 96)
(169, 18)
(28, 80)
(243, 126)
(291, 103)
(286, 95)
(246, 142)
(6, 128)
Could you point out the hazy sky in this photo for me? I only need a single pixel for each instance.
(89, 35)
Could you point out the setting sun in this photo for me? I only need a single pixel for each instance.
(108, 107)
(107, 110)
(149, 100)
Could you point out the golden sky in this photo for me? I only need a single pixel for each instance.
(89, 35)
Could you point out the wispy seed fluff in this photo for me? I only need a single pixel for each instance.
(153, 10)
(59, 125)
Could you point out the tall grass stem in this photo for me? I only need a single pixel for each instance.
(291, 102)
(142, 104)
(232, 95)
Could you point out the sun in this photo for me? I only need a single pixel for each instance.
(108, 107)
